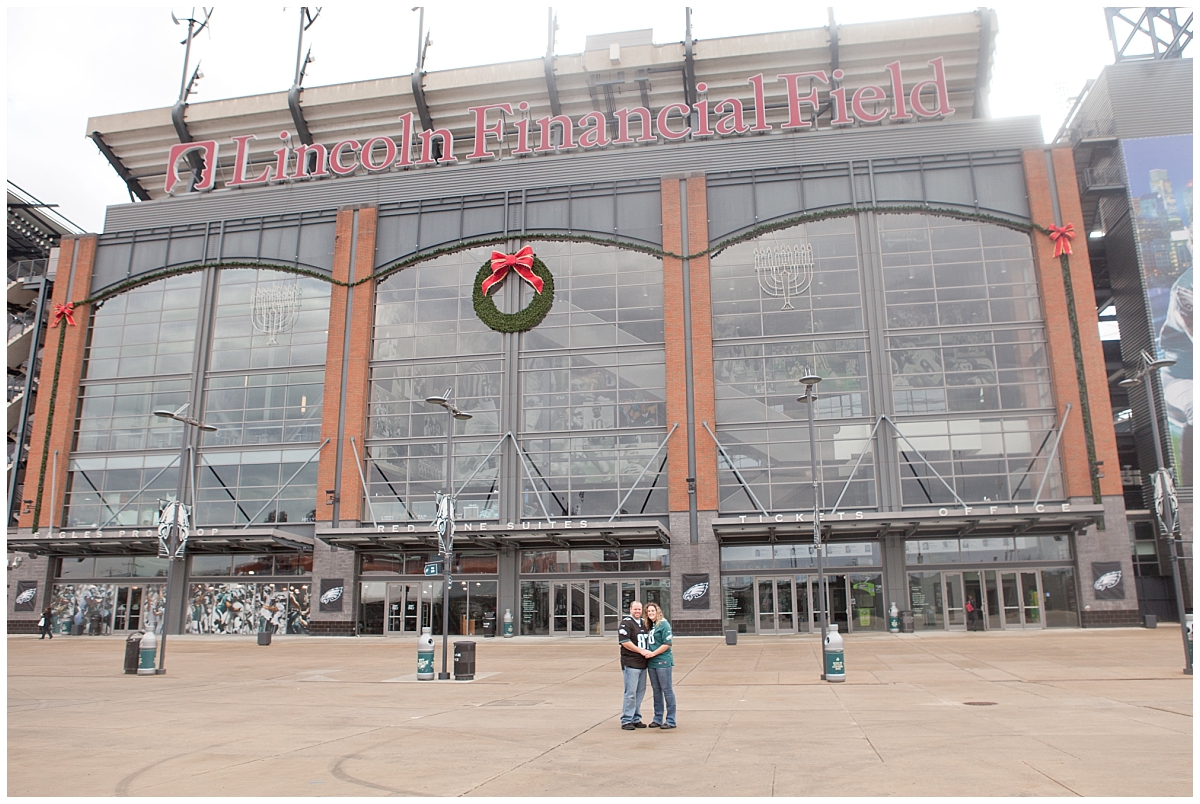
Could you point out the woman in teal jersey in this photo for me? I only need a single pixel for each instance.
(662, 663)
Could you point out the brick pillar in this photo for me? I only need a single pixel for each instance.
(330, 409)
(351, 309)
(361, 324)
(704, 556)
(1067, 358)
(56, 405)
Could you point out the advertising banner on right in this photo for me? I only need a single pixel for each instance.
(1159, 172)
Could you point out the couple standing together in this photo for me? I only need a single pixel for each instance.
(646, 650)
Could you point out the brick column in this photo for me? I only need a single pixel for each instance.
(57, 403)
(361, 324)
(1069, 359)
(702, 557)
(330, 409)
(353, 310)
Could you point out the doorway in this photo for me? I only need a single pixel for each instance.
(127, 613)
(403, 609)
(776, 610)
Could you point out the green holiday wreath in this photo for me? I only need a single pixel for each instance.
(522, 320)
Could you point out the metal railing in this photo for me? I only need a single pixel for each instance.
(27, 269)
(1092, 129)
(19, 322)
(1106, 176)
(16, 386)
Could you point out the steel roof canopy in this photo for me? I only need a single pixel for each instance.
(361, 110)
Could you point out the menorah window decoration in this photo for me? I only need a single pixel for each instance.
(275, 309)
(784, 270)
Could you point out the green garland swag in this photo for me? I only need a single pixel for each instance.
(522, 320)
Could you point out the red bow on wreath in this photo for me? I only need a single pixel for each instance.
(521, 262)
(62, 311)
(1062, 237)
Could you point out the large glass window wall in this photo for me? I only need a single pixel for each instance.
(149, 331)
(800, 281)
(262, 319)
(960, 319)
(588, 416)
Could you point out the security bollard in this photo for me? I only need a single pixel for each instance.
(508, 624)
(1187, 624)
(894, 620)
(146, 654)
(425, 655)
(835, 655)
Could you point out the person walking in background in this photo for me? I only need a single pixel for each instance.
(633, 638)
(660, 665)
(47, 623)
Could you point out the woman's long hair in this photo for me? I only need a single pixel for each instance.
(660, 619)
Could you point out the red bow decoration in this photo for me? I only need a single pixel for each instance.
(521, 262)
(62, 311)
(1062, 237)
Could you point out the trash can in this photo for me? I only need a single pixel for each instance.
(1150, 620)
(906, 622)
(133, 644)
(464, 661)
(264, 636)
(489, 627)
(731, 636)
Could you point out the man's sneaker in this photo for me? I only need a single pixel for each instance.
(628, 727)
(639, 725)
(654, 724)
(667, 727)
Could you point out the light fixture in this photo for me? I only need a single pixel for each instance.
(1096, 234)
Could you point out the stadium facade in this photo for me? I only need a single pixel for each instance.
(709, 222)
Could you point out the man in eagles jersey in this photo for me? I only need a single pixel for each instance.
(632, 638)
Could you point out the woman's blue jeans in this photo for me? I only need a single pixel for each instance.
(664, 694)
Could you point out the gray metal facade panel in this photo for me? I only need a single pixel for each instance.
(743, 153)
(1151, 98)
(991, 182)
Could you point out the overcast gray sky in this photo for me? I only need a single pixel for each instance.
(68, 64)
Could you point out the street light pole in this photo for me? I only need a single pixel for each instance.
(1149, 366)
(446, 516)
(810, 396)
(174, 537)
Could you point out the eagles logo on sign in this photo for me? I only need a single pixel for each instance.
(26, 596)
(333, 590)
(1108, 580)
(695, 591)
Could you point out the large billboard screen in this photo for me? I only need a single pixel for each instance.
(1159, 172)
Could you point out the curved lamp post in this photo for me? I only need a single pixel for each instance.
(1169, 529)
(185, 466)
(446, 401)
(810, 397)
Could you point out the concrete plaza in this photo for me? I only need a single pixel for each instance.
(1076, 712)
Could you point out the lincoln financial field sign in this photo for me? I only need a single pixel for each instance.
(868, 104)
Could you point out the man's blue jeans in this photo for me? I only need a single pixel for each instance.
(664, 693)
(635, 690)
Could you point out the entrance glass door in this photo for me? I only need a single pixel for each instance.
(1031, 600)
(569, 602)
(973, 591)
(803, 597)
(838, 601)
(956, 619)
(402, 605)
(615, 599)
(127, 615)
(1022, 594)
(776, 606)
